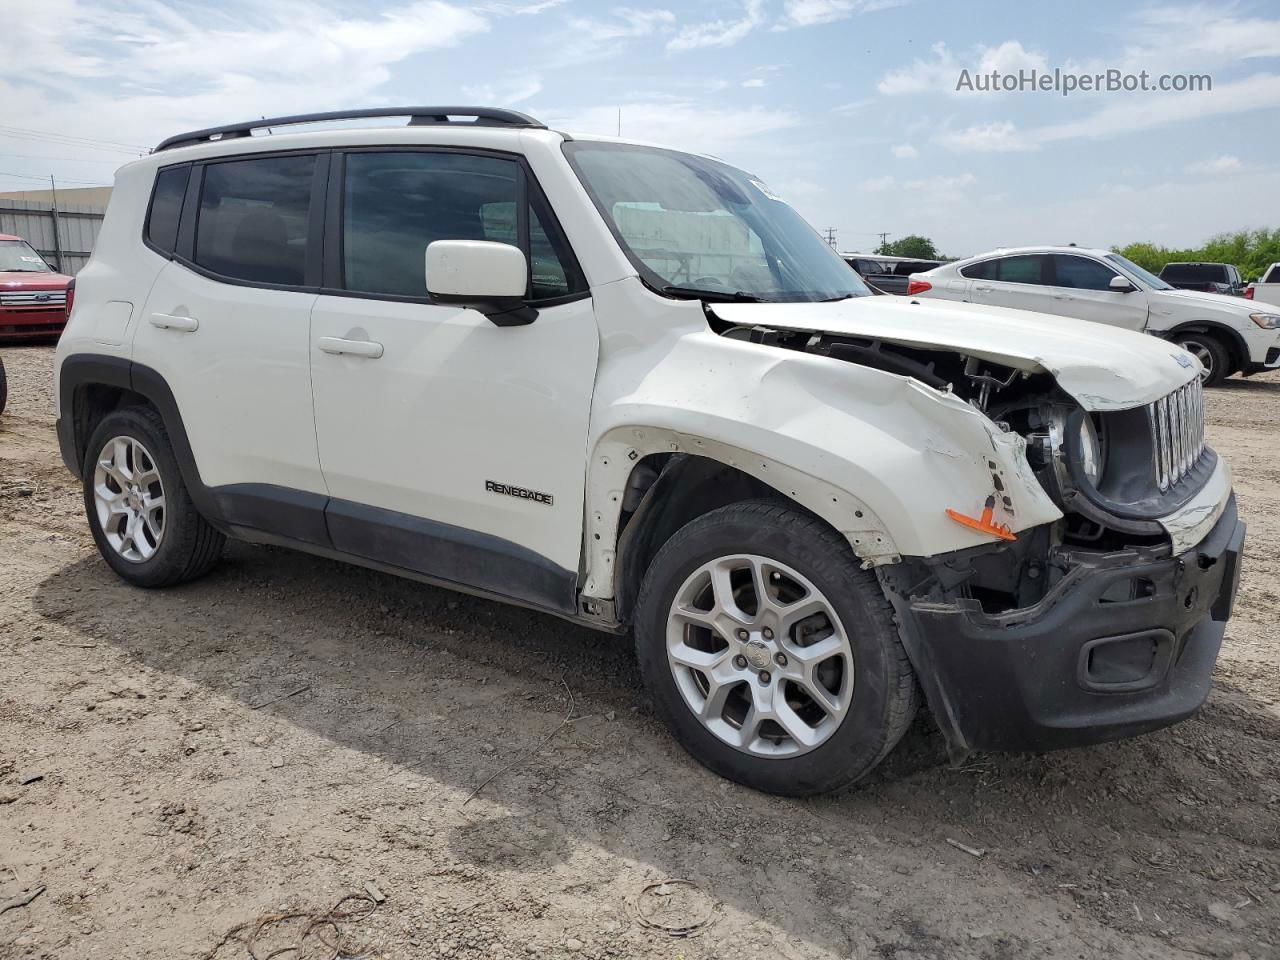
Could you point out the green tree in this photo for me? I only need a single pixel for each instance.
(914, 246)
(1251, 251)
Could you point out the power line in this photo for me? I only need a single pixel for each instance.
(42, 156)
(84, 143)
(28, 176)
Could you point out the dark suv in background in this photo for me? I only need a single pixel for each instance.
(1208, 277)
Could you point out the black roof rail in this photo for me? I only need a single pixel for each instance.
(484, 117)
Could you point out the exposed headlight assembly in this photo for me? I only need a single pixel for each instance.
(1267, 321)
(1089, 446)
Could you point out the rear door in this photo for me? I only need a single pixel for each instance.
(226, 327)
(451, 446)
(1020, 281)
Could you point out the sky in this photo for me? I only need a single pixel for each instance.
(848, 109)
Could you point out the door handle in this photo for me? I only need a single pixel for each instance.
(369, 349)
(981, 289)
(166, 321)
(1063, 296)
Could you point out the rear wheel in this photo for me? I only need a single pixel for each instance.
(4, 387)
(139, 510)
(1210, 352)
(771, 655)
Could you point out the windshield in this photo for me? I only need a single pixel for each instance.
(691, 225)
(1150, 279)
(16, 256)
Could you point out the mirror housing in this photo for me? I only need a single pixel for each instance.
(1119, 284)
(483, 275)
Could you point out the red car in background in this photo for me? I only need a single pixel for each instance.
(33, 296)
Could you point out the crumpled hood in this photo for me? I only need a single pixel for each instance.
(1103, 367)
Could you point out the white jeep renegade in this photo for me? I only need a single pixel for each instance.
(629, 386)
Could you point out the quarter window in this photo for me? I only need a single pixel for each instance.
(166, 207)
(254, 218)
(1081, 274)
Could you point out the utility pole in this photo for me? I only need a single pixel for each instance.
(619, 121)
(830, 236)
(57, 242)
(884, 240)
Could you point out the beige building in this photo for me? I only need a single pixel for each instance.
(83, 196)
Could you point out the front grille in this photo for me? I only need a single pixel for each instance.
(1177, 433)
(45, 299)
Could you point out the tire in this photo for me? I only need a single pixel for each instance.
(1210, 352)
(4, 387)
(170, 542)
(867, 684)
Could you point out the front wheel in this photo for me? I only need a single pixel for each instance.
(771, 655)
(1210, 352)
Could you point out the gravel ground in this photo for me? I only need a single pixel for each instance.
(176, 763)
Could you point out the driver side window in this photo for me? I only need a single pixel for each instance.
(1079, 273)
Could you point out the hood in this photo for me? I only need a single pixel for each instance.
(1212, 302)
(1103, 367)
(33, 281)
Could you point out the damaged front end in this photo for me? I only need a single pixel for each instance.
(1099, 625)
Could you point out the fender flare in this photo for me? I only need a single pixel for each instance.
(83, 370)
(1231, 338)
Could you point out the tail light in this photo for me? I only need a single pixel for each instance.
(918, 286)
(1248, 293)
(71, 297)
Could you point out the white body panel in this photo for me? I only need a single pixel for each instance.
(236, 360)
(416, 406)
(452, 402)
(1146, 308)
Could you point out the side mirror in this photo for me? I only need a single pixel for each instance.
(1120, 285)
(486, 276)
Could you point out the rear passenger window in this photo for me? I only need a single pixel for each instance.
(253, 219)
(166, 206)
(1024, 269)
(983, 270)
(1081, 274)
(396, 204)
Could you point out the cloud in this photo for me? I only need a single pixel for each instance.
(684, 124)
(1127, 115)
(937, 187)
(878, 184)
(940, 73)
(999, 137)
(1223, 163)
(625, 23)
(719, 33)
(140, 70)
(512, 92)
(905, 151)
(808, 13)
(754, 82)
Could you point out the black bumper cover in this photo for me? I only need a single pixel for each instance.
(1079, 667)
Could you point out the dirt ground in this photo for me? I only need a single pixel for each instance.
(287, 730)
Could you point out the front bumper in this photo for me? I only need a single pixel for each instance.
(32, 323)
(1121, 646)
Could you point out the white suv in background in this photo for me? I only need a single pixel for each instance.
(630, 387)
(1227, 334)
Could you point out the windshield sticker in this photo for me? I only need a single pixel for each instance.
(31, 259)
(765, 190)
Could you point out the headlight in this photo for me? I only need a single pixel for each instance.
(1267, 321)
(1090, 450)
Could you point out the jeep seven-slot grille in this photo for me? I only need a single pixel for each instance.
(1177, 433)
(40, 299)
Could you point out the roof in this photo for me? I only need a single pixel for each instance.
(10, 236)
(1009, 251)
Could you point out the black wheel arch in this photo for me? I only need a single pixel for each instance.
(1231, 340)
(90, 386)
(664, 492)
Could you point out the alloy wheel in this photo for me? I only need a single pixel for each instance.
(760, 656)
(1201, 353)
(129, 498)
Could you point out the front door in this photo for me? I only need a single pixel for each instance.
(451, 446)
(1084, 291)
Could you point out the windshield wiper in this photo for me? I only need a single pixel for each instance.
(720, 296)
(843, 296)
